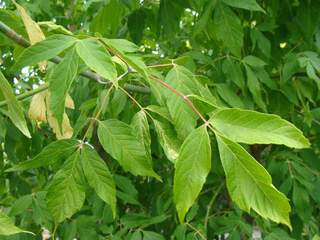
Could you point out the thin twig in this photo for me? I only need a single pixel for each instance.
(28, 94)
(136, 102)
(161, 65)
(197, 231)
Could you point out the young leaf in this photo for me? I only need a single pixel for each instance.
(98, 176)
(60, 80)
(228, 28)
(192, 167)
(245, 4)
(168, 139)
(65, 194)
(54, 152)
(96, 57)
(250, 185)
(140, 125)
(44, 50)
(253, 127)
(7, 226)
(120, 141)
(15, 111)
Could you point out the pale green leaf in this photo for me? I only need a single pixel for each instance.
(44, 50)
(161, 111)
(122, 45)
(60, 80)
(140, 125)
(52, 153)
(133, 61)
(250, 185)
(168, 139)
(15, 111)
(96, 57)
(99, 176)
(228, 29)
(65, 194)
(7, 226)
(120, 141)
(253, 127)
(183, 117)
(245, 4)
(191, 169)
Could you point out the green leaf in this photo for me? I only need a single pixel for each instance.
(183, 117)
(245, 4)
(134, 220)
(147, 235)
(120, 141)
(60, 80)
(252, 127)
(54, 152)
(140, 124)
(65, 194)
(7, 226)
(228, 29)
(168, 139)
(15, 111)
(133, 61)
(192, 167)
(228, 94)
(44, 50)
(96, 57)
(233, 72)
(122, 45)
(108, 19)
(21, 205)
(255, 88)
(250, 185)
(98, 176)
(253, 61)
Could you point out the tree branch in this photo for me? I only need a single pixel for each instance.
(10, 33)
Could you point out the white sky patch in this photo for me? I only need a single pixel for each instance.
(2, 4)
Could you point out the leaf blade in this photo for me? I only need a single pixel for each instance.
(99, 176)
(242, 171)
(97, 58)
(15, 111)
(192, 167)
(65, 195)
(252, 127)
(118, 140)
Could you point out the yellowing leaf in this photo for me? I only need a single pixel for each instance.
(69, 102)
(67, 130)
(35, 33)
(37, 109)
